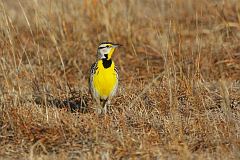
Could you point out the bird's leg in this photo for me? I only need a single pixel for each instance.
(98, 106)
(109, 107)
(105, 106)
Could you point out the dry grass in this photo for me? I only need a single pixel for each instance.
(179, 95)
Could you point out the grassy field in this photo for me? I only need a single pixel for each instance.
(179, 92)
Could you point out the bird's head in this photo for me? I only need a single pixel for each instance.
(106, 49)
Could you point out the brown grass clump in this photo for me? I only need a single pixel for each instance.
(179, 94)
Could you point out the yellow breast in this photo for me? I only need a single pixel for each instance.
(105, 80)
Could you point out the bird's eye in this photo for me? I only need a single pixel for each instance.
(107, 46)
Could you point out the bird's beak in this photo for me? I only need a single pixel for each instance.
(114, 46)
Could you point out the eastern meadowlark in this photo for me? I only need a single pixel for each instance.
(103, 81)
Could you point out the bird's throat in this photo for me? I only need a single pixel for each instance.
(106, 63)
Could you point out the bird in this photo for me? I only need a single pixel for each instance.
(103, 81)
